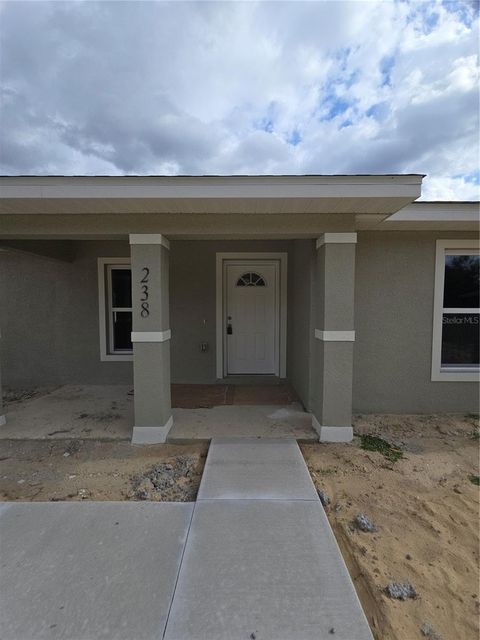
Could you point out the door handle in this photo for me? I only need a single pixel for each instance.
(229, 329)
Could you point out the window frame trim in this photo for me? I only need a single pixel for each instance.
(452, 374)
(105, 306)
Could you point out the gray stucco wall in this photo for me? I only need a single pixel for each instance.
(49, 311)
(50, 332)
(193, 302)
(299, 348)
(49, 317)
(394, 292)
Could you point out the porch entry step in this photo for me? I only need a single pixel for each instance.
(199, 396)
(261, 560)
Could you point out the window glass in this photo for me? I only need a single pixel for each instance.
(250, 280)
(460, 339)
(122, 328)
(462, 280)
(121, 288)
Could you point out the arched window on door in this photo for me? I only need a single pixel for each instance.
(251, 280)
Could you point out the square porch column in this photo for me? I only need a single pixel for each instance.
(150, 338)
(2, 414)
(334, 337)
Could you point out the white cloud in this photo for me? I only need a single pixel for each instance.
(447, 188)
(287, 87)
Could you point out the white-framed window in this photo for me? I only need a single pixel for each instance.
(456, 312)
(115, 308)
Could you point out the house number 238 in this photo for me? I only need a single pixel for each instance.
(145, 308)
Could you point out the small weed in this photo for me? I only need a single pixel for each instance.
(474, 480)
(475, 418)
(374, 443)
(327, 471)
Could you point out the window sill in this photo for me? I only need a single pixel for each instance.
(458, 375)
(117, 357)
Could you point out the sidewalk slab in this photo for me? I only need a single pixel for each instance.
(89, 571)
(270, 568)
(249, 468)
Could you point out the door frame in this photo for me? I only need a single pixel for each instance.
(221, 258)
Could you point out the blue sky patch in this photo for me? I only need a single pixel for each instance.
(379, 111)
(294, 138)
(386, 65)
(473, 178)
(465, 11)
(342, 56)
(336, 106)
(331, 104)
(265, 124)
(351, 79)
(428, 15)
(431, 21)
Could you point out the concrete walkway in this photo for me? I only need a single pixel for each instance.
(253, 558)
(261, 560)
(89, 570)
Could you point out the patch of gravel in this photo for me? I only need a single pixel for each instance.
(401, 590)
(11, 396)
(324, 499)
(364, 523)
(72, 448)
(100, 416)
(174, 480)
(429, 632)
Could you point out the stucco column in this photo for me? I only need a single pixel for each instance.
(2, 414)
(150, 338)
(334, 337)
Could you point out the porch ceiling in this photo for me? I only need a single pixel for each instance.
(373, 195)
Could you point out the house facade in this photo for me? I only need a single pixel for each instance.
(365, 300)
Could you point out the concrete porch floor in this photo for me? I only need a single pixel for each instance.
(202, 412)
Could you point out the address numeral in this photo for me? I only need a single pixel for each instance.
(145, 308)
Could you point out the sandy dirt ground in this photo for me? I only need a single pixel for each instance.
(99, 470)
(426, 511)
(424, 506)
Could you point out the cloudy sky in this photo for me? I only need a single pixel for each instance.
(242, 88)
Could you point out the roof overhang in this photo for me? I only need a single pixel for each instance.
(372, 195)
(424, 216)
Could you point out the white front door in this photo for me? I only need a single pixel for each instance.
(252, 316)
